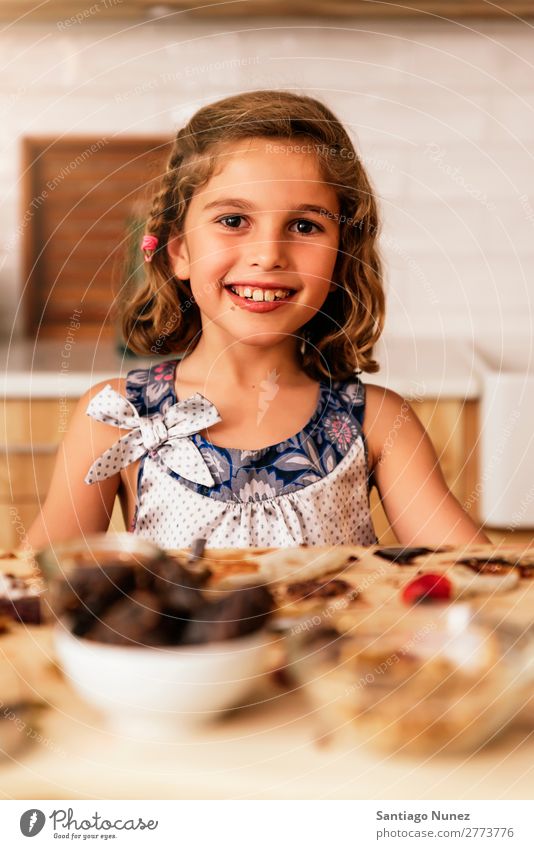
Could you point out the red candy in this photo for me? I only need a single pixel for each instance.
(429, 587)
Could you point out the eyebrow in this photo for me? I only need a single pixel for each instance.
(240, 203)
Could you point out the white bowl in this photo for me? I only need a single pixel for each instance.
(149, 690)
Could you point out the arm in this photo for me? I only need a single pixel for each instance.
(73, 508)
(418, 504)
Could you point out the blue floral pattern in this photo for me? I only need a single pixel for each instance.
(246, 475)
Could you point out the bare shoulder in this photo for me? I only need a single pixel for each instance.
(379, 399)
(102, 435)
(382, 407)
(116, 383)
(87, 438)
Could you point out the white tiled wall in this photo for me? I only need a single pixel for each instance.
(442, 113)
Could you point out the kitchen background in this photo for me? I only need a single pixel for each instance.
(441, 108)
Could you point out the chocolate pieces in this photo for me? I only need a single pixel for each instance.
(239, 613)
(404, 556)
(492, 565)
(157, 605)
(313, 588)
(134, 619)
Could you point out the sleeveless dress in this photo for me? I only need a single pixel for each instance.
(312, 488)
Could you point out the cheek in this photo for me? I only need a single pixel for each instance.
(319, 260)
(207, 260)
(320, 275)
(207, 298)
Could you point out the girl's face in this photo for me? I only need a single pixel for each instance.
(260, 242)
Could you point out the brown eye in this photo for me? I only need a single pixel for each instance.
(303, 226)
(231, 221)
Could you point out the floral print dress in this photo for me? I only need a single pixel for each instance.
(312, 488)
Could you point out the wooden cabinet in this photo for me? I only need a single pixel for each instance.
(30, 432)
(77, 239)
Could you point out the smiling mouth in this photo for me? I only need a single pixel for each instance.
(250, 293)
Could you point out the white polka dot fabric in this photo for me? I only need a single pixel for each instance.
(332, 510)
(166, 436)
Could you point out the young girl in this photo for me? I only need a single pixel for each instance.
(264, 280)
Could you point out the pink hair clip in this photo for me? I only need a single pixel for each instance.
(148, 246)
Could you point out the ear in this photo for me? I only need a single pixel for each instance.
(178, 254)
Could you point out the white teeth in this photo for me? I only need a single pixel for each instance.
(260, 294)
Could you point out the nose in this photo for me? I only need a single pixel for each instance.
(267, 249)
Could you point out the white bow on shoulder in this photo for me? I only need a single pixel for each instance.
(165, 435)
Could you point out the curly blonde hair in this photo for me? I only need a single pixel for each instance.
(339, 339)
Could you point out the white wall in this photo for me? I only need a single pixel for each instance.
(442, 114)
